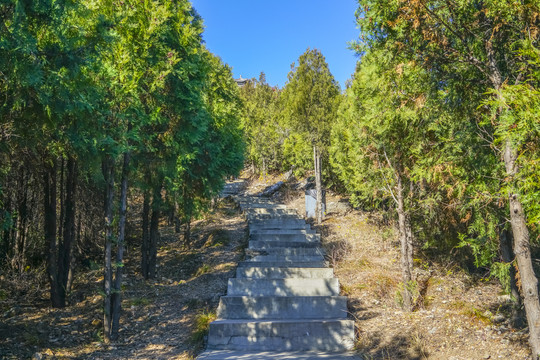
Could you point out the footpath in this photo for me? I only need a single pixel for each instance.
(284, 302)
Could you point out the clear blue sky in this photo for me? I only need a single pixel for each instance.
(269, 35)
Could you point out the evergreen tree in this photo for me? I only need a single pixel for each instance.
(47, 51)
(310, 97)
(263, 131)
(380, 140)
(480, 39)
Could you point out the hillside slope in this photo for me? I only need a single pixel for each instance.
(458, 316)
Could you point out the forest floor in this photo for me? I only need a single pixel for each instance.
(162, 319)
(460, 315)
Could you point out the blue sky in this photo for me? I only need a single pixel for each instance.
(269, 35)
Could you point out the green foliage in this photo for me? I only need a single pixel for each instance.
(389, 127)
(516, 108)
(100, 81)
(501, 271)
(262, 125)
(476, 64)
(310, 97)
(282, 126)
(298, 153)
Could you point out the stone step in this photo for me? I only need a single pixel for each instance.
(284, 264)
(247, 206)
(286, 258)
(281, 231)
(286, 237)
(287, 223)
(261, 245)
(266, 211)
(279, 226)
(282, 307)
(256, 217)
(283, 287)
(284, 272)
(276, 355)
(282, 335)
(284, 298)
(254, 199)
(286, 251)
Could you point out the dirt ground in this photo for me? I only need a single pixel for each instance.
(161, 319)
(460, 316)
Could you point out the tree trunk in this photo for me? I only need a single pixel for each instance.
(522, 250)
(154, 231)
(108, 174)
(65, 246)
(520, 232)
(49, 229)
(177, 222)
(145, 246)
(5, 236)
(76, 240)
(187, 232)
(507, 256)
(61, 199)
(529, 282)
(117, 292)
(405, 239)
(170, 213)
(22, 217)
(318, 183)
(518, 221)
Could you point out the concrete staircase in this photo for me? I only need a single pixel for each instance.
(284, 302)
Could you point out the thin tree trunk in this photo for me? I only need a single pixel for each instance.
(318, 184)
(520, 232)
(187, 232)
(406, 248)
(145, 246)
(507, 256)
(5, 240)
(170, 214)
(65, 246)
(177, 222)
(15, 261)
(49, 229)
(22, 216)
(154, 231)
(108, 174)
(117, 293)
(410, 238)
(76, 241)
(61, 198)
(518, 221)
